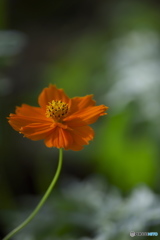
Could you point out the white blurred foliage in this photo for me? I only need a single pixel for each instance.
(113, 215)
(91, 205)
(134, 62)
(11, 42)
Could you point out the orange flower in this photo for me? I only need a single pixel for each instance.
(61, 121)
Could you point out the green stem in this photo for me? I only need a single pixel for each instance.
(33, 214)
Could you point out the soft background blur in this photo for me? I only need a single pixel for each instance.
(107, 48)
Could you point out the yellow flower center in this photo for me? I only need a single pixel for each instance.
(57, 110)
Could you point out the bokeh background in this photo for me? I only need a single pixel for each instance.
(107, 48)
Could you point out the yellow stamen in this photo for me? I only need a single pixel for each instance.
(57, 110)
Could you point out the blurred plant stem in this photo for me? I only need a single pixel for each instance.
(41, 203)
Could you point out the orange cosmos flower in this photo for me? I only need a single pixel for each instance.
(61, 121)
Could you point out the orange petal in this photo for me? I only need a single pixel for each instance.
(75, 147)
(74, 140)
(52, 93)
(78, 103)
(81, 136)
(88, 115)
(26, 115)
(20, 121)
(17, 122)
(59, 138)
(27, 110)
(74, 122)
(85, 132)
(37, 131)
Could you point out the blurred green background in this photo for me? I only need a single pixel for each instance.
(107, 48)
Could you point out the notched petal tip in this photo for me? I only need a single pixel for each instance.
(10, 115)
(102, 114)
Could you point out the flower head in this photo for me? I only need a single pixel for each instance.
(61, 121)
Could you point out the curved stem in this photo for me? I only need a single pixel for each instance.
(44, 198)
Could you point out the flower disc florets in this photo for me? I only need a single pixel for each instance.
(57, 110)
